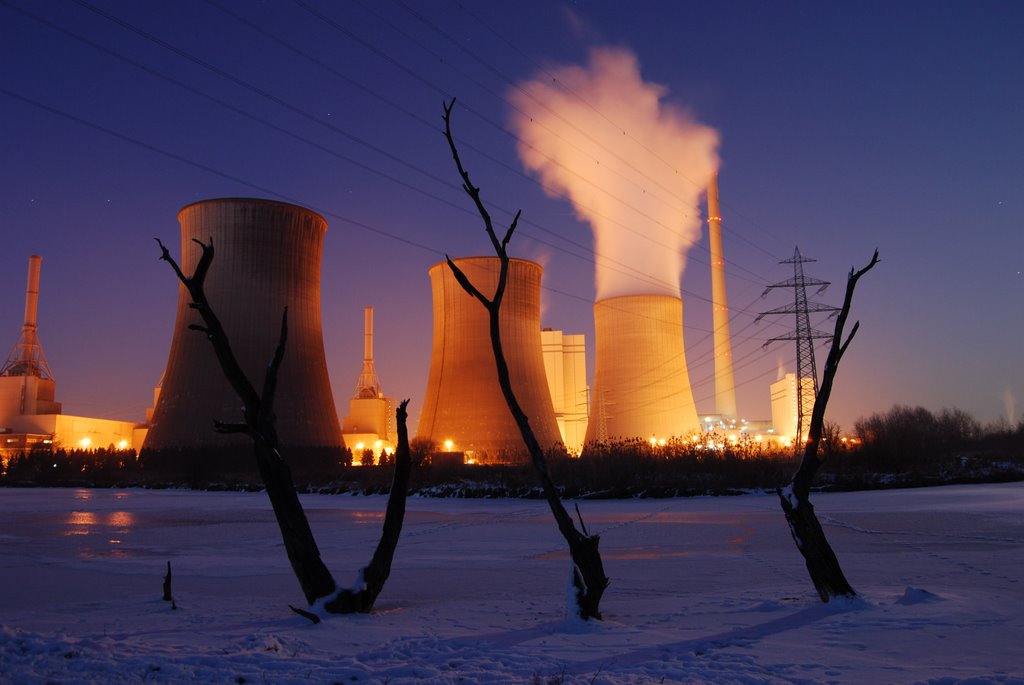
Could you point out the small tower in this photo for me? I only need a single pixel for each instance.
(370, 422)
(26, 384)
(27, 358)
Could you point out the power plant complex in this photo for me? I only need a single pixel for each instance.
(268, 259)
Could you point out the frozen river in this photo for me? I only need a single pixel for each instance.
(702, 590)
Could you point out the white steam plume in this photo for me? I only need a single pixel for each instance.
(633, 167)
(1010, 406)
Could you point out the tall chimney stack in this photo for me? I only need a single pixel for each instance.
(27, 358)
(368, 385)
(368, 334)
(32, 292)
(725, 387)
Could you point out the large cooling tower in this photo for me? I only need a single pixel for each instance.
(464, 403)
(641, 385)
(267, 258)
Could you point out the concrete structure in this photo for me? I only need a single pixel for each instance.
(30, 416)
(784, 405)
(641, 382)
(370, 424)
(267, 258)
(725, 387)
(565, 363)
(464, 409)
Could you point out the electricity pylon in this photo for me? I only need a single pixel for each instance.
(804, 335)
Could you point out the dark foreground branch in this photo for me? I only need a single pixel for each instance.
(259, 424)
(589, 579)
(821, 561)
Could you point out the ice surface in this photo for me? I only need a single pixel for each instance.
(702, 590)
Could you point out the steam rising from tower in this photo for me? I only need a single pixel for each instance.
(602, 137)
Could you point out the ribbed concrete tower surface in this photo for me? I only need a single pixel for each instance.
(641, 384)
(267, 257)
(464, 403)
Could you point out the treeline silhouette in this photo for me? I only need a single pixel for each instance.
(901, 447)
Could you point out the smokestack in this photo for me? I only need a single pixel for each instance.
(27, 358)
(368, 384)
(464, 403)
(725, 387)
(368, 334)
(641, 383)
(268, 258)
(32, 292)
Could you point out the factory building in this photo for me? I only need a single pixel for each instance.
(565, 364)
(30, 416)
(641, 383)
(464, 409)
(784, 405)
(267, 258)
(370, 424)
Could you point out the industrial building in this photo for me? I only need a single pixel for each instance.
(30, 415)
(267, 258)
(641, 383)
(565, 364)
(370, 424)
(464, 409)
(785, 418)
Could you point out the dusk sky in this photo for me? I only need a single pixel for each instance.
(838, 128)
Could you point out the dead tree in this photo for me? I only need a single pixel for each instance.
(259, 424)
(822, 564)
(588, 577)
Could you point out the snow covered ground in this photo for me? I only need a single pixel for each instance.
(702, 590)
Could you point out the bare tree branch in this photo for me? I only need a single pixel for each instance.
(588, 579)
(821, 561)
(259, 420)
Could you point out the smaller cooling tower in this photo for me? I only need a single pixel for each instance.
(267, 257)
(641, 384)
(464, 403)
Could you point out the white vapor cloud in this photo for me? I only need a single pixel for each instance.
(633, 166)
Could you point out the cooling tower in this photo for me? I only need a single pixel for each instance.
(464, 403)
(267, 258)
(641, 385)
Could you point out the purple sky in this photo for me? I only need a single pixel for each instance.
(843, 127)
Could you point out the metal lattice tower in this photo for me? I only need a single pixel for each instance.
(27, 358)
(804, 335)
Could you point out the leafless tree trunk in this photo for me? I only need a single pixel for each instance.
(588, 570)
(258, 423)
(822, 564)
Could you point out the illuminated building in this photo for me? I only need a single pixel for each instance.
(641, 383)
(784, 404)
(29, 413)
(464, 403)
(370, 423)
(267, 258)
(565, 363)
